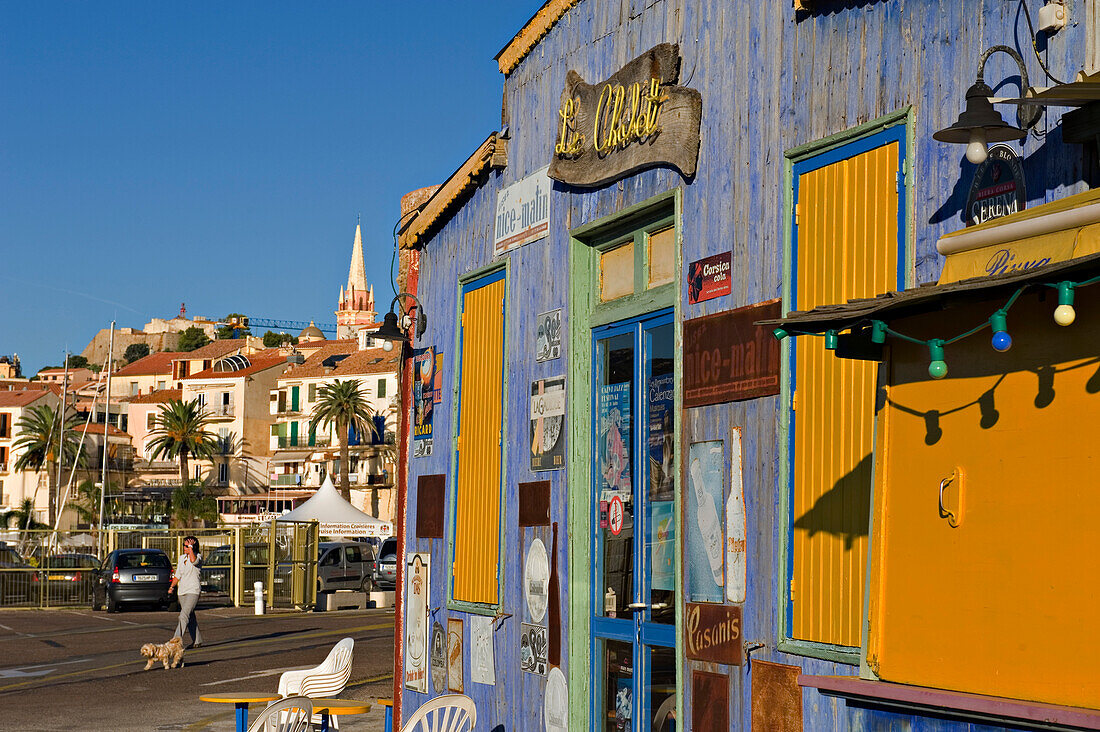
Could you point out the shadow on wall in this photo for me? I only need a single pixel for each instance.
(827, 7)
(845, 509)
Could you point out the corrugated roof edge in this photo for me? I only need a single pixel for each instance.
(916, 300)
(492, 152)
(531, 33)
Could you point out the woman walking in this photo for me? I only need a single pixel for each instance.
(187, 577)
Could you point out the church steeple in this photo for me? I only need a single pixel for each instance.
(357, 275)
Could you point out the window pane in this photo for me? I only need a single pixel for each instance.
(661, 691)
(617, 272)
(618, 683)
(662, 256)
(615, 494)
(660, 534)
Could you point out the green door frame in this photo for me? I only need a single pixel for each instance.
(584, 313)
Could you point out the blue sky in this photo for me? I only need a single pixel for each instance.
(218, 154)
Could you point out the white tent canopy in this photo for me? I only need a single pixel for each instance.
(336, 516)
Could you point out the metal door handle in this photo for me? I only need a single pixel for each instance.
(637, 606)
(954, 518)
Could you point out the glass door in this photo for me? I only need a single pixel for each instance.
(633, 501)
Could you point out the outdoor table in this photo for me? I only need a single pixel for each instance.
(388, 704)
(241, 699)
(336, 707)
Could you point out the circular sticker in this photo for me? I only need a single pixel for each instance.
(555, 705)
(536, 580)
(615, 515)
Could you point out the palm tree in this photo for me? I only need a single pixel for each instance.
(22, 517)
(180, 433)
(40, 434)
(86, 502)
(343, 404)
(190, 505)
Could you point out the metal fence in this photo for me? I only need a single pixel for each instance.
(48, 569)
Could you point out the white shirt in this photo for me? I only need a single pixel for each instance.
(187, 575)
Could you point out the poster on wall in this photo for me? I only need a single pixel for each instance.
(548, 336)
(662, 477)
(454, 654)
(532, 649)
(736, 526)
(482, 658)
(709, 278)
(705, 538)
(547, 419)
(662, 526)
(439, 658)
(614, 442)
(416, 621)
(426, 393)
(523, 212)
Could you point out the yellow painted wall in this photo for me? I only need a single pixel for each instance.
(847, 247)
(477, 485)
(1007, 603)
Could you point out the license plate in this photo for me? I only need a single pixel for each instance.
(59, 577)
(145, 578)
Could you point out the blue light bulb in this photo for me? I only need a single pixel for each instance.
(1002, 341)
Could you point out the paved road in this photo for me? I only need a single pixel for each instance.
(78, 669)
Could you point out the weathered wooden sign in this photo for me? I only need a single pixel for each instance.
(714, 633)
(727, 357)
(638, 118)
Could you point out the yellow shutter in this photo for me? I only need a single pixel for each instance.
(847, 247)
(477, 491)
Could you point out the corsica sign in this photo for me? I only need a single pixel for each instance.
(637, 119)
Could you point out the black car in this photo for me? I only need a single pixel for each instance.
(385, 569)
(132, 576)
(15, 577)
(67, 577)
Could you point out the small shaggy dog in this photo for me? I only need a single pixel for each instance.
(170, 653)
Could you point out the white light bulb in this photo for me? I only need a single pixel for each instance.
(976, 150)
(387, 346)
(1064, 315)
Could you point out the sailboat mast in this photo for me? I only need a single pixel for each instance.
(106, 422)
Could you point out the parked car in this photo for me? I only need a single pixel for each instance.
(385, 570)
(67, 577)
(132, 576)
(345, 565)
(15, 576)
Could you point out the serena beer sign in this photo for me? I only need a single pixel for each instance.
(523, 212)
(636, 119)
(728, 358)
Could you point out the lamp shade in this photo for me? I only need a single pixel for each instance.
(979, 114)
(390, 331)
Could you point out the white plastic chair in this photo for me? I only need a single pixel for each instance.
(447, 713)
(286, 715)
(324, 681)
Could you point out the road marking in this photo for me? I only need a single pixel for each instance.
(7, 628)
(28, 671)
(220, 646)
(253, 675)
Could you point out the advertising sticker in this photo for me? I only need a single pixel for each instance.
(614, 444)
(454, 654)
(439, 658)
(709, 278)
(427, 393)
(482, 658)
(523, 212)
(548, 338)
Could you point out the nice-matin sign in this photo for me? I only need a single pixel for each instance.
(638, 118)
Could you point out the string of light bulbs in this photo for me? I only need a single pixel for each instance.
(1064, 315)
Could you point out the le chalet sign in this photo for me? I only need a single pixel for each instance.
(638, 118)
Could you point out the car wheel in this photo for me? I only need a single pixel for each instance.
(96, 604)
(367, 586)
(112, 604)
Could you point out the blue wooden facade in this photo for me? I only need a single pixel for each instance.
(773, 80)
